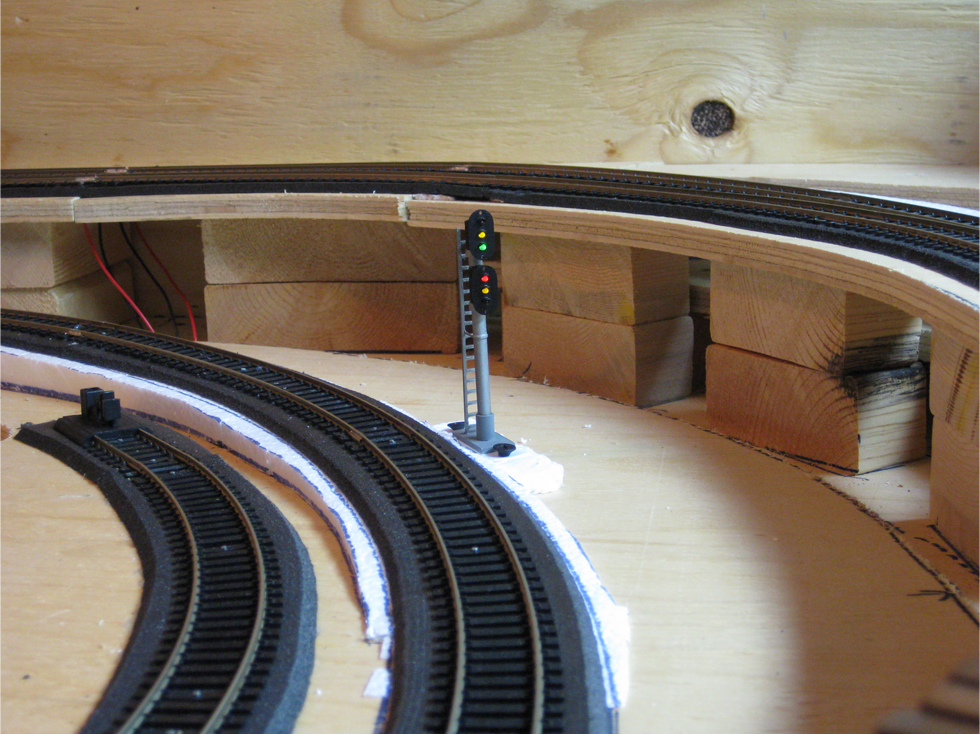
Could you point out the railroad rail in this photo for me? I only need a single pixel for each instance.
(943, 241)
(491, 632)
(224, 637)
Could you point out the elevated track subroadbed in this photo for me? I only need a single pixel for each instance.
(940, 240)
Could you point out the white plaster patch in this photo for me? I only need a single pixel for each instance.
(378, 684)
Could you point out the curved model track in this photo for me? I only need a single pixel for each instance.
(937, 239)
(225, 635)
(491, 633)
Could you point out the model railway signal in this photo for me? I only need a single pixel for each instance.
(479, 296)
(483, 242)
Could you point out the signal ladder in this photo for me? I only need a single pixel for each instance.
(466, 337)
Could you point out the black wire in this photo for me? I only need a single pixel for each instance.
(105, 261)
(102, 247)
(170, 308)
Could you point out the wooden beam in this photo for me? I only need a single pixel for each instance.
(809, 324)
(37, 209)
(91, 296)
(645, 364)
(384, 207)
(955, 479)
(46, 254)
(954, 391)
(954, 485)
(404, 317)
(850, 424)
(290, 250)
(611, 283)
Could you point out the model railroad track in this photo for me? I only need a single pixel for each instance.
(491, 634)
(937, 239)
(224, 638)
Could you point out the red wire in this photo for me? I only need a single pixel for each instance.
(166, 272)
(119, 288)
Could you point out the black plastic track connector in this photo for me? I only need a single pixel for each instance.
(101, 415)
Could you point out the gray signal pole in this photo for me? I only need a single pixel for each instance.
(478, 295)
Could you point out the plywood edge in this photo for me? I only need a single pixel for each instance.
(935, 298)
(383, 207)
(37, 209)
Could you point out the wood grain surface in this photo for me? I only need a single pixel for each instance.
(375, 317)
(46, 254)
(304, 250)
(113, 83)
(808, 324)
(856, 423)
(90, 297)
(610, 283)
(643, 365)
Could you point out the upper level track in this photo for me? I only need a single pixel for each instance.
(491, 633)
(940, 240)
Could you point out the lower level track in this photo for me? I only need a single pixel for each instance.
(491, 632)
(224, 638)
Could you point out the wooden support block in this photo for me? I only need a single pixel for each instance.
(852, 424)
(397, 317)
(954, 488)
(611, 283)
(639, 365)
(925, 343)
(699, 279)
(954, 390)
(46, 254)
(809, 324)
(90, 297)
(303, 250)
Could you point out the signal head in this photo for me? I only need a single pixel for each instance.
(484, 294)
(482, 241)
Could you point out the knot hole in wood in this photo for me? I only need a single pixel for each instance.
(712, 118)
